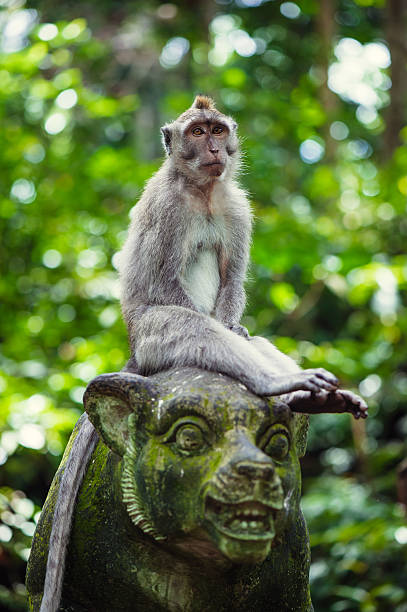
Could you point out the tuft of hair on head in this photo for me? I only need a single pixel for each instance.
(203, 102)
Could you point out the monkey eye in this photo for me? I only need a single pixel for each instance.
(197, 131)
(218, 129)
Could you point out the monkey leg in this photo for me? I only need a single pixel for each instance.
(174, 336)
(285, 366)
(339, 400)
(278, 361)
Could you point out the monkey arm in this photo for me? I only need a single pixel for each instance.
(231, 297)
(230, 303)
(170, 260)
(175, 294)
(172, 336)
(133, 309)
(151, 260)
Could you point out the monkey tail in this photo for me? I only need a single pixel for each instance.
(75, 468)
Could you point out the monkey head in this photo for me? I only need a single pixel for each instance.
(202, 143)
(208, 467)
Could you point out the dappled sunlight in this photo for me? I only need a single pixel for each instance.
(173, 52)
(23, 190)
(311, 151)
(81, 104)
(16, 29)
(67, 99)
(357, 75)
(290, 10)
(228, 37)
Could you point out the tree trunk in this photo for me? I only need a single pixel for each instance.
(325, 26)
(396, 13)
(402, 484)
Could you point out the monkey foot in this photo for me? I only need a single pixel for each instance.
(313, 380)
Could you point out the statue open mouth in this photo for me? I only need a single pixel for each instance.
(249, 520)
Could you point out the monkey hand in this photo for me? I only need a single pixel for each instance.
(238, 329)
(339, 400)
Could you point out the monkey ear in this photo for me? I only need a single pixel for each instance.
(166, 138)
(110, 399)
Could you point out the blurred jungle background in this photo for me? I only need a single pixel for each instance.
(319, 89)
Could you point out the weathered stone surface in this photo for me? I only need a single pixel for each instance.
(190, 501)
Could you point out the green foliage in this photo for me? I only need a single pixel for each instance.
(359, 547)
(81, 101)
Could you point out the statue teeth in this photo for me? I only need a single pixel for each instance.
(244, 525)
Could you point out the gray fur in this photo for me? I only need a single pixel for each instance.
(186, 219)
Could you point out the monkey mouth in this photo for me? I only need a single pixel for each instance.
(249, 520)
(214, 164)
(215, 169)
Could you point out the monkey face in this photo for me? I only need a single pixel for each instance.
(205, 142)
(202, 144)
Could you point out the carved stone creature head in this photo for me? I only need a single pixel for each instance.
(202, 143)
(207, 466)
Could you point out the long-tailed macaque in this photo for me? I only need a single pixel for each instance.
(182, 270)
(184, 264)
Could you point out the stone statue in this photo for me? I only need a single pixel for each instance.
(191, 497)
(190, 501)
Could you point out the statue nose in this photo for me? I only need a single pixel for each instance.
(255, 470)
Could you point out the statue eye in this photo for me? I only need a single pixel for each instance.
(218, 129)
(197, 131)
(189, 438)
(189, 435)
(276, 444)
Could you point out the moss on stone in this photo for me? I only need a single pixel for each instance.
(189, 496)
